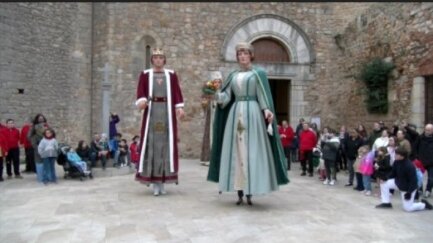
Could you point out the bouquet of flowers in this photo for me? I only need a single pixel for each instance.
(210, 87)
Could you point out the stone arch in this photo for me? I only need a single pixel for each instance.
(272, 26)
(140, 56)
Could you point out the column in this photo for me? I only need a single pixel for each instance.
(418, 103)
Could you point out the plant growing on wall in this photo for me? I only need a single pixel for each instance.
(375, 76)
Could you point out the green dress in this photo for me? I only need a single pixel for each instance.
(244, 156)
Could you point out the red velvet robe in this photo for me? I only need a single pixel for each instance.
(174, 100)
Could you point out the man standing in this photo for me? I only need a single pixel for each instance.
(424, 152)
(28, 148)
(160, 96)
(13, 157)
(307, 141)
(287, 136)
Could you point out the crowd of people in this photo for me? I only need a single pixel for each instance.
(394, 158)
(42, 149)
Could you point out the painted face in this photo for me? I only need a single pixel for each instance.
(244, 57)
(158, 61)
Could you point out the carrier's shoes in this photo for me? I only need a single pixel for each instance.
(427, 194)
(249, 200)
(326, 182)
(161, 189)
(368, 193)
(349, 184)
(332, 182)
(155, 189)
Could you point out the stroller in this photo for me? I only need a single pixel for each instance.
(71, 170)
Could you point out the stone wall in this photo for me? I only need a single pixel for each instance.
(398, 32)
(192, 35)
(45, 49)
(57, 52)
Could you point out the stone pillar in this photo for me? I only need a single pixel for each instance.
(297, 102)
(418, 103)
(106, 95)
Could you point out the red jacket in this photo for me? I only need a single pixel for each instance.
(135, 156)
(307, 140)
(12, 137)
(3, 142)
(23, 139)
(288, 132)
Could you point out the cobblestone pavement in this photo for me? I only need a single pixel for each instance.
(118, 209)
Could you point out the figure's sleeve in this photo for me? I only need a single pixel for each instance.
(177, 93)
(223, 97)
(261, 97)
(142, 89)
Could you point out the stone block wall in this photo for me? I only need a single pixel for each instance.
(45, 49)
(398, 32)
(192, 35)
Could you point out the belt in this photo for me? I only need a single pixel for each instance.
(159, 99)
(246, 98)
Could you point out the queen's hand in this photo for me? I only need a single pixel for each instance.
(269, 116)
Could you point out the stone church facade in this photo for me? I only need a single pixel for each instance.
(76, 62)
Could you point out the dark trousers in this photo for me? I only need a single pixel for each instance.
(30, 159)
(94, 157)
(350, 163)
(359, 183)
(287, 153)
(1, 167)
(341, 160)
(13, 159)
(330, 169)
(429, 178)
(307, 158)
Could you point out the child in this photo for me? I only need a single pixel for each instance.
(83, 150)
(330, 146)
(75, 159)
(362, 152)
(367, 169)
(420, 170)
(47, 149)
(382, 165)
(123, 153)
(133, 150)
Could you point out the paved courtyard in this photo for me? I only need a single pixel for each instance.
(118, 209)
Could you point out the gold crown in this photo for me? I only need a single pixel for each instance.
(158, 51)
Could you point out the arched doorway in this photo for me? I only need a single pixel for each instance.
(284, 50)
(269, 50)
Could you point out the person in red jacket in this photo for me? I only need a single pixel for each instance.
(13, 157)
(287, 135)
(28, 148)
(133, 151)
(307, 142)
(3, 148)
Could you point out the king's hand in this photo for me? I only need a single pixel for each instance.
(142, 105)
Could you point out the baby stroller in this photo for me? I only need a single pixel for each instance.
(71, 170)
